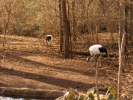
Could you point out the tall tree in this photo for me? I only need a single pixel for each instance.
(7, 12)
(121, 43)
(73, 26)
(66, 29)
(61, 31)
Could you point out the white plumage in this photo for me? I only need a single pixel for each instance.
(49, 39)
(96, 50)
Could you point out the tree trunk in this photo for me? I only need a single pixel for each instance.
(66, 29)
(96, 76)
(61, 31)
(122, 44)
(7, 12)
(4, 32)
(74, 40)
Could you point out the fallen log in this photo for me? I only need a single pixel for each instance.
(30, 93)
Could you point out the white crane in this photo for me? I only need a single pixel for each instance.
(49, 39)
(96, 50)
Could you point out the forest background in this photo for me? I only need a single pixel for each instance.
(75, 25)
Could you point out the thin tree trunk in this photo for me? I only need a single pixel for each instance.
(4, 31)
(6, 10)
(96, 76)
(122, 44)
(121, 64)
(73, 27)
(119, 44)
(96, 32)
(61, 29)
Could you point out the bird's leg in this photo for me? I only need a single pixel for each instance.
(46, 43)
(50, 43)
(88, 58)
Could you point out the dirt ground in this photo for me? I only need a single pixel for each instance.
(28, 63)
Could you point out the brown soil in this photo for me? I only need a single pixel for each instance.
(28, 62)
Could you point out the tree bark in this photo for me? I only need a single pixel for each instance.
(61, 29)
(66, 29)
(96, 76)
(122, 44)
